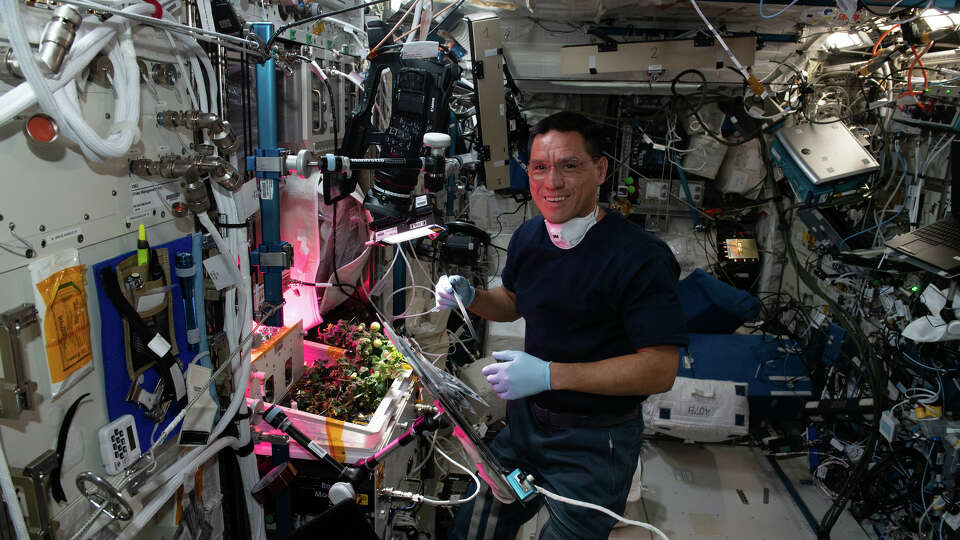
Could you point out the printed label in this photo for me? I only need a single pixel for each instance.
(317, 449)
(266, 189)
(248, 201)
(219, 272)
(145, 197)
(69, 234)
(179, 385)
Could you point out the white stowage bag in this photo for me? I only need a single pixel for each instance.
(699, 410)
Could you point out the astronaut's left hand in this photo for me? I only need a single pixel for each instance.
(518, 374)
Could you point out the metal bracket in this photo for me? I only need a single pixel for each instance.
(20, 393)
(478, 69)
(34, 482)
(703, 39)
(607, 46)
(276, 259)
(153, 404)
(483, 153)
(269, 164)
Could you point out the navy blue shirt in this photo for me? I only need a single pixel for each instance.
(614, 293)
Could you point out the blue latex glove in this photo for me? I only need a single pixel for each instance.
(518, 375)
(445, 288)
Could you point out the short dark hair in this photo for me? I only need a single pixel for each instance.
(570, 121)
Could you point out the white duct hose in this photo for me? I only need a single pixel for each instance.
(10, 495)
(196, 457)
(124, 131)
(239, 320)
(88, 44)
(242, 325)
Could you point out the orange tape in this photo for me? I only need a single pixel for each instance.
(335, 438)
(198, 485)
(179, 505)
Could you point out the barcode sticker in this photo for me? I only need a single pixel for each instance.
(266, 189)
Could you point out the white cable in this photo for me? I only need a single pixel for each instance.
(743, 70)
(183, 68)
(598, 508)
(345, 76)
(777, 14)
(413, 282)
(416, 20)
(225, 252)
(354, 31)
(418, 498)
(197, 457)
(10, 495)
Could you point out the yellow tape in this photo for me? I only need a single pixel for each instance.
(335, 439)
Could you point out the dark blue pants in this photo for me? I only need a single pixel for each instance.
(591, 464)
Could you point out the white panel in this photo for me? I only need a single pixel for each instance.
(49, 189)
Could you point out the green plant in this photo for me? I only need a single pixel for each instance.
(350, 388)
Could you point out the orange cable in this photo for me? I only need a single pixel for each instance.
(876, 46)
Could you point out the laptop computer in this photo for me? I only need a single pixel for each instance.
(937, 244)
(826, 152)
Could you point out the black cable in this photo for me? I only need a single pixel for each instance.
(862, 344)
(316, 18)
(522, 204)
(333, 245)
(885, 15)
(333, 111)
(576, 29)
(696, 110)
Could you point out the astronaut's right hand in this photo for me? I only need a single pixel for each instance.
(448, 286)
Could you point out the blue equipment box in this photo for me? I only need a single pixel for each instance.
(806, 191)
(773, 368)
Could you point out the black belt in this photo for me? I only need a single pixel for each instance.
(562, 419)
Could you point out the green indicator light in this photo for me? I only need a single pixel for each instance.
(914, 288)
(926, 89)
(948, 90)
